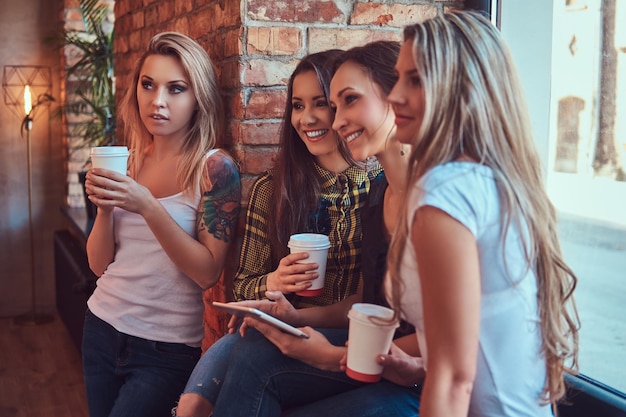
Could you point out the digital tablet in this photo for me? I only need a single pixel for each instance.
(239, 310)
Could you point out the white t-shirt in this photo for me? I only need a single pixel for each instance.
(510, 370)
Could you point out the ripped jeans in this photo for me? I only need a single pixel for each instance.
(210, 371)
(250, 377)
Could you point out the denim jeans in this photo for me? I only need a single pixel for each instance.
(382, 399)
(208, 375)
(261, 381)
(129, 376)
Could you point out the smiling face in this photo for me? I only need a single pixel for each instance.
(363, 117)
(312, 118)
(407, 96)
(166, 101)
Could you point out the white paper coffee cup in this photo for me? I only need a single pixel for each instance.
(114, 158)
(316, 245)
(370, 334)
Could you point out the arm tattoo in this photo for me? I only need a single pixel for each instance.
(220, 205)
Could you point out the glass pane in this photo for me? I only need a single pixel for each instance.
(586, 178)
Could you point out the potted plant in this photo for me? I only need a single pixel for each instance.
(90, 102)
(90, 80)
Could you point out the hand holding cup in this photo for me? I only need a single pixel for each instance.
(370, 334)
(316, 246)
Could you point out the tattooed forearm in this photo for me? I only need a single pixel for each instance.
(220, 206)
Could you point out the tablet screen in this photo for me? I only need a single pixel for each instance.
(239, 310)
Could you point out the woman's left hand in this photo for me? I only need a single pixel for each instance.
(398, 366)
(316, 351)
(111, 189)
(401, 368)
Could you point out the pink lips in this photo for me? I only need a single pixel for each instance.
(157, 116)
(402, 120)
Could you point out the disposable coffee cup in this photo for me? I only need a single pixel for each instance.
(370, 334)
(114, 158)
(316, 245)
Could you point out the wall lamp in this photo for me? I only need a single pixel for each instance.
(19, 85)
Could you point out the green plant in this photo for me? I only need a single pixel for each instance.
(90, 80)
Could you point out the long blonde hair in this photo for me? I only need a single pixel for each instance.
(474, 106)
(207, 124)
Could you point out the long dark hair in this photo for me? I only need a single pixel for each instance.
(296, 190)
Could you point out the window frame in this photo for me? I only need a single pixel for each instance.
(533, 57)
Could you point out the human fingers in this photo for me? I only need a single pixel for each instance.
(291, 278)
(233, 323)
(402, 369)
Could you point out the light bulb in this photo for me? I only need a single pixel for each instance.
(28, 103)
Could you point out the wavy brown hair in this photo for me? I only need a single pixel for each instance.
(474, 106)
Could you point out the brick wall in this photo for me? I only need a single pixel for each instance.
(255, 45)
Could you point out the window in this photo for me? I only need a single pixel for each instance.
(571, 55)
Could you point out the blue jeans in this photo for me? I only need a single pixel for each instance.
(382, 399)
(208, 375)
(128, 376)
(261, 381)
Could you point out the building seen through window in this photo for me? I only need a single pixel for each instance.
(586, 173)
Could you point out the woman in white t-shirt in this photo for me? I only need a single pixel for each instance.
(475, 263)
(160, 236)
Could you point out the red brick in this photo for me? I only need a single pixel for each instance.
(201, 22)
(237, 105)
(181, 25)
(266, 104)
(135, 41)
(166, 10)
(258, 133)
(395, 15)
(122, 8)
(296, 11)
(138, 19)
(123, 24)
(274, 40)
(258, 160)
(229, 74)
(152, 16)
(232, 43)
(227, 13)
(212, 47)
(266, 72)
(182, 7)
(322, 39)
(120, 46)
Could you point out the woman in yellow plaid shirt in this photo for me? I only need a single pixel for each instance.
(315, 186)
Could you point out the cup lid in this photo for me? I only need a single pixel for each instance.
(309, 240)
(109, 150)
(371, 312)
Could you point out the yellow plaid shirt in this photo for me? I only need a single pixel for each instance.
(342, 198)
